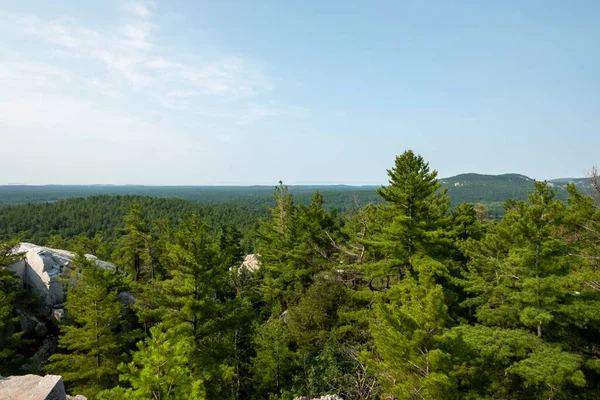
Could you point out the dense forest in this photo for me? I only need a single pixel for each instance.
(339, 196)
(57, 223)
(405, 297)
(490, 190)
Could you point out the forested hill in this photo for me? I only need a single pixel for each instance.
(65, 219)
(494, 190)
(491, 190)
(339, 196)
(240, 207)
(399, 300)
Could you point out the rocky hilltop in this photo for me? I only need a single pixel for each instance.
(39, 271)
(34, 387)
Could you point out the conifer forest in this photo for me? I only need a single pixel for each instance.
(401, 294)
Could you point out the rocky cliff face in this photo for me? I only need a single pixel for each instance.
(34, 387)
(40, 270)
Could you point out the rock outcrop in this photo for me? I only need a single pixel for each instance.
(40, 270)
(32, 387)
(31, 326)
(251, 263)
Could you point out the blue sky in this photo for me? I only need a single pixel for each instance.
(251, 92)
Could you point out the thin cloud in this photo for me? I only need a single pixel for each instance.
(130, 51)
(114, 90)
(140, 9)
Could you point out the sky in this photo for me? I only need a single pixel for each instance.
(309, 92)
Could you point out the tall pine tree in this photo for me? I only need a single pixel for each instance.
(90, 342)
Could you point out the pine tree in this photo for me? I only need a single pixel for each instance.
(408, 330)
(295, 245)
(520, 275)
(275, 361)
(90, 340)
(10, 340)
(411, 314)
(524, 283)
(198, 300)
(583, 227)
(196, 276)
(276, 238)
(161, 369)
(134, 243)
(412, 219)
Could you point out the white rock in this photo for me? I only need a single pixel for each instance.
(32, 387)
(42, 267)
(251, 263)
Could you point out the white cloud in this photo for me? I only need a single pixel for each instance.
(130, 51)
(32, 75)
(140, 9)
(109, 96)
(71, 136)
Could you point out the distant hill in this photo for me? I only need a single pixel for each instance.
(492, 190)
(338, 196)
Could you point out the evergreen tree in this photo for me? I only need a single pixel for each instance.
(10, 340)
(413, 219)
(521, 273)
(408, 330)
(134, 243)
(161, 369)
(583, 227)
(275, 361)
(294, 246)
(411, 315)
(90, 340)
(276, 238)
(198, 300)
(523, 280)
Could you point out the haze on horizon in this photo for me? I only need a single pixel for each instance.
(237, 92)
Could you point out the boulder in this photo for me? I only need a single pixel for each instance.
(40, 270)
(251, 263)
(32, 387)
(30, 325)
(58, 314)
(35, 362)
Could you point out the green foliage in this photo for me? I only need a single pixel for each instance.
(409, 324)
(10, 340)
(134, 253)
(91, 342)
(500, 363)
(11, 299)
(198, 299)
(524, 281)
(275, 360)
(56, 224)
(161, 369)
(403, 297)
(294, 246)
(413, 218)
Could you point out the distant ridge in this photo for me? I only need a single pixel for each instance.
(492, 190)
